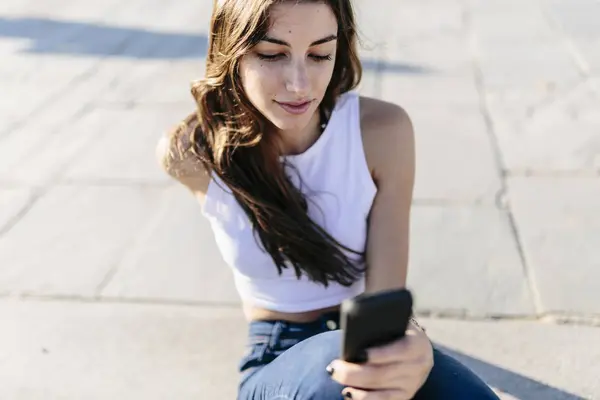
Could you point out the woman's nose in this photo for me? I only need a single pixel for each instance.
(297, 81)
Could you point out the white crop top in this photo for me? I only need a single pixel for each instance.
(340, 192)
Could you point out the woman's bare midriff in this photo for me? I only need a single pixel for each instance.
(261, 314)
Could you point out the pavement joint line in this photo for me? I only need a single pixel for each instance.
(379, 68)
(83, 109)
(54, 95)
(582, 65)
(548, 318)
(33, 199)
(482, 200)
(38, 191)
(135, 104)
(58, 175)
(498, 160)
(551, 98)
(377, 79)
(417, 201)
(50, 99)
(132, 246)
(578, 58)
(8, 184)
(535, 173)
(460, 315)
(27, 297)
(501, 200)
(114, 183)
(446, 202)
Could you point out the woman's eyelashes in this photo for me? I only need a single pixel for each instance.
(278, 56)
(321, 58)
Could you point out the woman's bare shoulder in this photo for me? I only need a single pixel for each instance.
(379, 115)
(387, 134)
(175, 156)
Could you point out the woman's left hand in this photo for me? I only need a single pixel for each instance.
(392, 372)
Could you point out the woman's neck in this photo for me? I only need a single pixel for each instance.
(293, 142)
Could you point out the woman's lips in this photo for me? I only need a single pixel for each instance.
(295, 108)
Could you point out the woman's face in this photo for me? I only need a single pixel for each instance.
(285, 76)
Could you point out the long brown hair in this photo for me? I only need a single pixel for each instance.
(230, 141)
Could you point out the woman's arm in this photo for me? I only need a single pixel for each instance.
(390, 150)
(399, 369)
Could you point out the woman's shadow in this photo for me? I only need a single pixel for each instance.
(516, 385)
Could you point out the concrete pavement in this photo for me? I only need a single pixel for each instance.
(110, 283)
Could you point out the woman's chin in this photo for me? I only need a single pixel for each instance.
(292, 123)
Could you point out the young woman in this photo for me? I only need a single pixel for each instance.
(307, 187)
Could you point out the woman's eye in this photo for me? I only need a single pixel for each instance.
(269, 57)
(321, 58)
(274, 57)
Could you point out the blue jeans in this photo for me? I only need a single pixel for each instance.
(287, 361)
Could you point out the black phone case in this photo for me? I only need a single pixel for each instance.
(370, 320)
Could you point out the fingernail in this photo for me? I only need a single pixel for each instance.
(329, 370)
(362, 357)
(348, 395)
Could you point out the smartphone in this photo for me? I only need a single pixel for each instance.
(373, 319)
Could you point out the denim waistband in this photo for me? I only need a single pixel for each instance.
(265, 331)
(268, 339)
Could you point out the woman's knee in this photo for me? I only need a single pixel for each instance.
(450, 380)
(304, 367)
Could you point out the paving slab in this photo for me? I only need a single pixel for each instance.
(156, 82)
(488, 22)
(525, 359)
(63, 8)
(559, 226)
(18, 103)
(444, 18)
(12, 202)
(125, 148)
(73, 237)
(432, 55)
(160, 16)
(464, 261)
(521, 65)
(102, 351)
(39, 73)
(588, 50)
(561, 134)
(578, 18)
(455, 160)
(24, 159)
(101, 143)
(176, 260)
(430, 90)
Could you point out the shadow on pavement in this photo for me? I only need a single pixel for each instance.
(509, 382)
(51, 36)
(56, 37)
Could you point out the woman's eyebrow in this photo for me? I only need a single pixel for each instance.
(284, 43)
